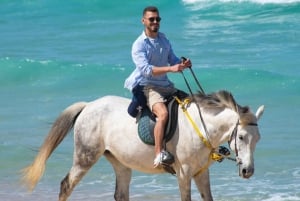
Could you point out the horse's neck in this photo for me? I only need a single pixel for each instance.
(218, 122)
(220, 125)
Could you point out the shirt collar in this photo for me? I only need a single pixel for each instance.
(145, 37)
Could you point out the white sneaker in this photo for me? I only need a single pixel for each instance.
(157, 160)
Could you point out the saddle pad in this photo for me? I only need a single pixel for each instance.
(146, 126)
(147, 122)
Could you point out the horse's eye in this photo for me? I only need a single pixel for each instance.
(241, 137)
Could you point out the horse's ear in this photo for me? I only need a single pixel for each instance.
(260, 112)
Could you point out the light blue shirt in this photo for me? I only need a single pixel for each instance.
(146, 53)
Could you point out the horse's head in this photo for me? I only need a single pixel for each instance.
(239, 126)
(244, 138)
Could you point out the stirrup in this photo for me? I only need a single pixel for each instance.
(164, 157)
(167, 157)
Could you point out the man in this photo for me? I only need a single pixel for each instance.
(153, 56)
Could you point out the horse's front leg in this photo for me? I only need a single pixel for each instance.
(184, 183)
(203, 185)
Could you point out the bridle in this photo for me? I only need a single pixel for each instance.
(234, 136)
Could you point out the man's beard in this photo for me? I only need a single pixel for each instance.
(155, 29)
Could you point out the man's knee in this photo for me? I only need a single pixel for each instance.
(160, 110)
(163, 116)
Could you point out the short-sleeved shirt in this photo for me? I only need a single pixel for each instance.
(146, 53)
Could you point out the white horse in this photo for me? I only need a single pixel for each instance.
(103, 127)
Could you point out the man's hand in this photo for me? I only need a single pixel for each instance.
(185, 63)
(178, 67)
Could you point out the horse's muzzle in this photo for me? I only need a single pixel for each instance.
(246, 172)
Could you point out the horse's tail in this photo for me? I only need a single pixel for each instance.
(63, 124)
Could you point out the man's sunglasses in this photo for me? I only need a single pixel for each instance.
(152, 19)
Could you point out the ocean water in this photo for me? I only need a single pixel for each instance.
(54, 53)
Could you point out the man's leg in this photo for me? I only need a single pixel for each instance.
(156, 102)
(160, 110)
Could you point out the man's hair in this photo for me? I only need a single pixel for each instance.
(150, 9)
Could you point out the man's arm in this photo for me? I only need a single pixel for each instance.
(175, 68)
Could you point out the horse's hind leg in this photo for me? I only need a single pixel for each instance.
(69, 182)
(84, 159)
(123, 177)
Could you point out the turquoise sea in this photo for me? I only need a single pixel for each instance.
(54, 53)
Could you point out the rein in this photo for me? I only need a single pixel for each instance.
(214, 155)
(191, 92)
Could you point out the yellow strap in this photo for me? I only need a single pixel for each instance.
(183, 106)
(202, 169)
(213, 155)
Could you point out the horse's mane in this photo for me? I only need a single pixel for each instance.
(224, 99)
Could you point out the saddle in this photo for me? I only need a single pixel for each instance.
(146, 119)
(147, 122)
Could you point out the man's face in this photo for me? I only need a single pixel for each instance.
(151, 21)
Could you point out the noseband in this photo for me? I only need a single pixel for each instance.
(234, 136)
